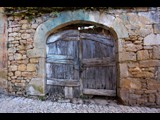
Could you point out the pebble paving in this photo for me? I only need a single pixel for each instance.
(13, 104)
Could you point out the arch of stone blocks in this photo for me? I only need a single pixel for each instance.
(63, 19)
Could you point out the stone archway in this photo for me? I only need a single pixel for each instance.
(63, 19)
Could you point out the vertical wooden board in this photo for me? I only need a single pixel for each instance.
(48, 70)
(107, 78)
(76, 92)
(114, 77)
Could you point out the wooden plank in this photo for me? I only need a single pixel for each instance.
(98, 38)
(100, 92)
(98, 62)
(58, 57)
(62, 82)
(50, 60)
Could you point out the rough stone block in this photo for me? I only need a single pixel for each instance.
(152, 39)
(17, 73)
(17, 56)
(123, 70)
(153, 84)
(25, 26)
(130, 83)
(16, 29)
(142, 55)
(127, 56)
(23, 21)
(133, 47)
(135, 70)
(145, 30)
(21, 47)
(25, 36)
(26, 74)
(149, 63)
(31, 67)
(133, 64)
(144, 75)
(156, 52)
(34, 60)
(22, 67)
(13, 68)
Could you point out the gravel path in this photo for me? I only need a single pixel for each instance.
(12, 104)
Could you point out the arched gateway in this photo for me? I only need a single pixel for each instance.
(80, 61)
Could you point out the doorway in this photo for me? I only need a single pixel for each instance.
(81, 59)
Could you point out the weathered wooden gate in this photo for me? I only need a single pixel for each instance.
(81, 61)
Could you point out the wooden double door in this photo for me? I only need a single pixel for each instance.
(81, 59)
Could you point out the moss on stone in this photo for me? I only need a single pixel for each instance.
(38, 88)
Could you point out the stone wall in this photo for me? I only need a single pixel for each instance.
(3, 52)
(21, 68)
(138, 41)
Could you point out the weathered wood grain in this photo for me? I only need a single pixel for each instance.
(62, 82)
(98, 38)
(99, 92)
(83, 61)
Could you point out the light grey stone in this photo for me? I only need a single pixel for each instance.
(123, 70)
(152, 39)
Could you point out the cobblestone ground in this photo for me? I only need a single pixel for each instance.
(13, 104)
